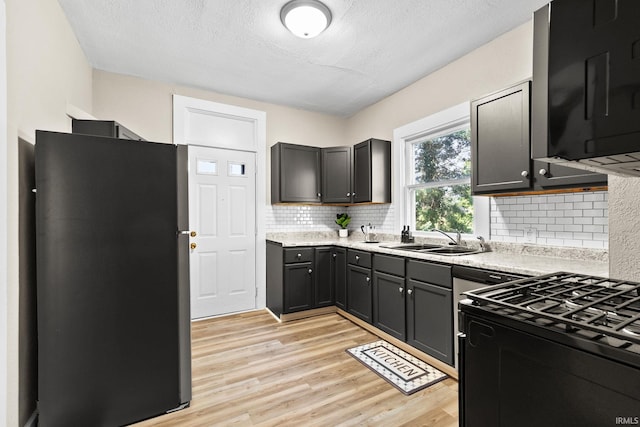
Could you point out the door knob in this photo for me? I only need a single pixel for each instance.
(193, 234)
(193, 246)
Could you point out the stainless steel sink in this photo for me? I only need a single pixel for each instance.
(426, 248)
(452, 251)
(411, 246)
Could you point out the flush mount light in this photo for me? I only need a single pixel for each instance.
(305, 18)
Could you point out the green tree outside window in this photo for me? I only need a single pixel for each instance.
(442, 186)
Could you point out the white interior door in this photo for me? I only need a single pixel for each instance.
(222, 192)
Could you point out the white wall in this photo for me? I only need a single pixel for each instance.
(46, 69)
(3, 218)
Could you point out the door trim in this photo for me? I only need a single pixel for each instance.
(183, 105)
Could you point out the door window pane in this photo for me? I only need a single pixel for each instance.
(237, 169)
(207, 167)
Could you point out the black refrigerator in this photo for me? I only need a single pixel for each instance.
(112, 280)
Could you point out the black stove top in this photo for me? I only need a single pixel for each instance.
(600, 310)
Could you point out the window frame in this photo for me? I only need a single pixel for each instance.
(440, 123)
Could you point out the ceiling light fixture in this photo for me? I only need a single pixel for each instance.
(305, 18)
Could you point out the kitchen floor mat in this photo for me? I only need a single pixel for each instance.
(404, 371)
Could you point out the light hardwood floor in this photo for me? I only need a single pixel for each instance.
(250, 370)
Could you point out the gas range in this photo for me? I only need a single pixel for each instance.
(558, 349)
(596, 310)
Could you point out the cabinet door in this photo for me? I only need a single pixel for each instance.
(594, 77)
(339, 259)
(336, 175)
(430, 319)
(359, 292)
(295, 173)
(323, 280)
(388, 304)
(500, 141)
(549, 175)
(362, 172)
(298, 287)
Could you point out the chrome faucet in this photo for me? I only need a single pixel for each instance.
(457, 241)
(483, 244)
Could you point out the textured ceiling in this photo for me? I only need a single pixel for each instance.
(372, 49)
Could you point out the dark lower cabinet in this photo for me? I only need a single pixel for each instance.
(389, 304)
(298, 289)
(389, 295)
(324, 277)
(429, 314)
(359, 292)
(339, 271)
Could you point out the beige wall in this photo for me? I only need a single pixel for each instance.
(46, 68)
(145, 107)
(494, 66)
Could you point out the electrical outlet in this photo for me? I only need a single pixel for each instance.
(530, 235)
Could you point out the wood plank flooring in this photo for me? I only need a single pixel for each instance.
(250, 370)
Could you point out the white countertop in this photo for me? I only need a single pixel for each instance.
(508, 262)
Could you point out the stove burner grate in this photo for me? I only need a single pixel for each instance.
(609, 308)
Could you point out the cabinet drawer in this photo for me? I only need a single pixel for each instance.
(427, 272)
(298, 255)
(360, 258)
(389, 264)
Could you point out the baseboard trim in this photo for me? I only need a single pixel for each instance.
(449, 370)
(307, 313)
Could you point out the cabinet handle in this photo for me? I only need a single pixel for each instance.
(400, 290)
(409, 291)
(357, 258)
(353, 194)
(524, 174)
(368, 280)
(319, 195)
(310, 271)
(542, 172)
(348, 194)
(299, 255)
(334, 255)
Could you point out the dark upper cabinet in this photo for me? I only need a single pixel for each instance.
(500, 141)
(336, 174)
(108, 128)
(586, 83)
(372, 171)
(501, 149)
(551, 175)
(295, 173)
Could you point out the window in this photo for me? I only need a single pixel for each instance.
(439, 184)
(432, 175)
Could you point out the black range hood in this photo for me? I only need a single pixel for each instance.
(586, 85)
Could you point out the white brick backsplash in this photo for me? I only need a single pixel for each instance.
(577, 220)
(282, 218)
